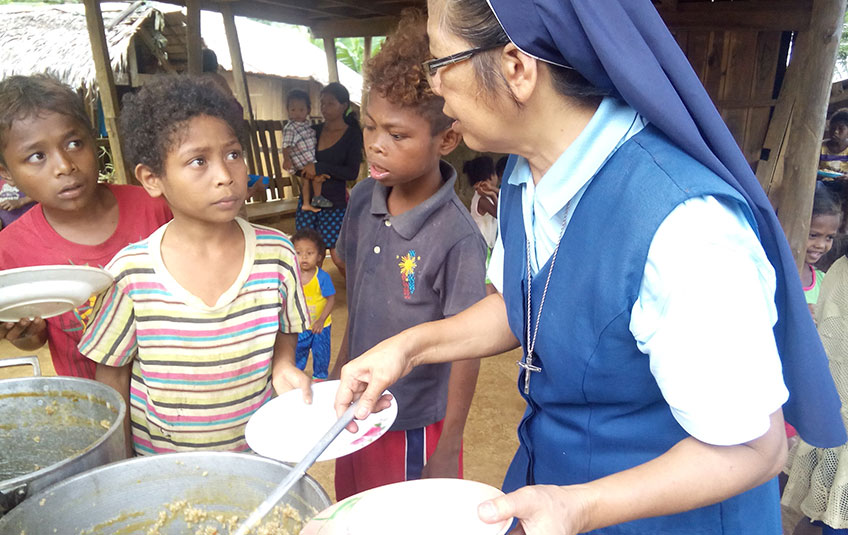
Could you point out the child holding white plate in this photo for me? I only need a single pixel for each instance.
(204, 315)
(412, 254)
(47, 150)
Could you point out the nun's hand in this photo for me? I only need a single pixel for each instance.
(540, 510)
(366, 377)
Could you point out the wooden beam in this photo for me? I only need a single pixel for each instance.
(105, 85)
(332, 62)
(811, 68)
(242, 92)
(359, 5)
(783, 15)
(366, 55)
(193, 41)
(369, 27)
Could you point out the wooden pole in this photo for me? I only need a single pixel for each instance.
(330, 52)
(242, 93)
(193, 43)
(105, 85)
(810, 70)
(365, 57)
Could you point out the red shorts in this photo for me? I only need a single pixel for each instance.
(396, 456)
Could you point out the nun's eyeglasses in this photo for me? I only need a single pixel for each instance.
(432, 66)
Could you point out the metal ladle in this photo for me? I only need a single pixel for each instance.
(296, 473)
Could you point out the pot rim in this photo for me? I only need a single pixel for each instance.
(10, 484)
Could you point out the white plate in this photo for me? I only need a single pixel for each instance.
(47, 291)
(420, 507)
(286, 428)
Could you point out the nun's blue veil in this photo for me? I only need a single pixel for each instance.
(625, 47)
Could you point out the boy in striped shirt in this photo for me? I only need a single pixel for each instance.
(203, 318)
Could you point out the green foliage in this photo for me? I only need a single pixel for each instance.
(107, 169)
(842, 51)
(351, 50)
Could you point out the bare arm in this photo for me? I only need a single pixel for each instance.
(691, 474)
(287, 162)
(344, 354)
(318, 324)
(456, 338)
(444, 461)
(285, 375)
(486, 206)
(119, 379)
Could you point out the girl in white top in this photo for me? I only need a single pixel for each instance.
(484, 204)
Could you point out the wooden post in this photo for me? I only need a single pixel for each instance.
(801, 115)
(193, 44)
(105, 85)
(330, 52)
(242, 93)
(365, 57)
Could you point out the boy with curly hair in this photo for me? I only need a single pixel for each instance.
(412, 255)
(47, 150)
(203, 317)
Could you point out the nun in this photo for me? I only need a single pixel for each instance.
(640, 268)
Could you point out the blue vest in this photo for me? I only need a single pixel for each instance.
(595, 409)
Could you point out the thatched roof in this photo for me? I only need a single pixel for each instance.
(54, 39)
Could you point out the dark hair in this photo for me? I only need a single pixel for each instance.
(341, 94)
(825, 201)
(309, 234)
(22, 97)
(209, 60)
(475, 22)
(152, 119)
(500, 166)
(297, 94)
(396, 74)
(479, 169)
(839, 116)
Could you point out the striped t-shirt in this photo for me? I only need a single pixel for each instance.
(199, 372)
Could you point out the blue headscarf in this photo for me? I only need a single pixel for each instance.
(624, 46)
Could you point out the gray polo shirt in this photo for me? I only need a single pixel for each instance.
(425, 264)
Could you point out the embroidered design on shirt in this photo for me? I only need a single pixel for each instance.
(84, 313)
(407, 265)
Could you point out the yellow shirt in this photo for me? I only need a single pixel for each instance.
(317, 291)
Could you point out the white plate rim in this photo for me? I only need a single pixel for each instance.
(96, 286)
(386, 416)
(373, 499)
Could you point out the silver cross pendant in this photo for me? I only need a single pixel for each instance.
(527, 366)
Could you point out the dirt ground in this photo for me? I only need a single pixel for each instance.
(490, 438)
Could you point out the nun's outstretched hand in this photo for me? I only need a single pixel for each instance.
(366, 378)
(540, 510)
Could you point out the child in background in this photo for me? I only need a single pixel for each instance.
(320, 298)
(203, 316)
(47, 151)
(13, 204)
(834, 150)
(827, 216)
(299, 142)
(412, 254)
(484, 202)
(818, 479)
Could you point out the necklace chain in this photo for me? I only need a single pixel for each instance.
(531, 342)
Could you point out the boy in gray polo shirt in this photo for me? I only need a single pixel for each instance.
(412, 254)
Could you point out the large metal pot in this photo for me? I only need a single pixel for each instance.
(52, 428)
(131, 496)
